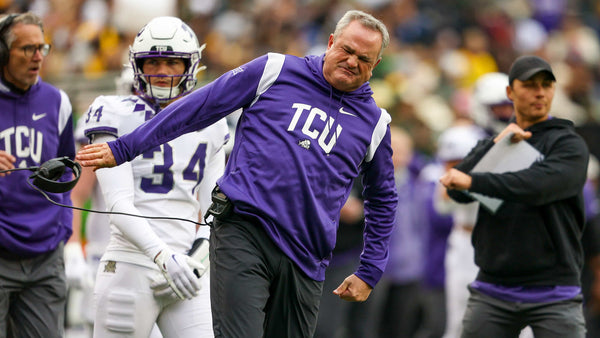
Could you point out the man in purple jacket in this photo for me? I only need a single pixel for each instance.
(309, 126)
(35, 126)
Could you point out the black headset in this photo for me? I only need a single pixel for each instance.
(4, 48)
(47, 176)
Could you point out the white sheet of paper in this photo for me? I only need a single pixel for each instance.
(504, 156)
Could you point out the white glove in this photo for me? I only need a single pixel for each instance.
(76, 269)
(160, 285)
(178, 271)
(162, 290)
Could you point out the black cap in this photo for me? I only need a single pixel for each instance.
(527, 66)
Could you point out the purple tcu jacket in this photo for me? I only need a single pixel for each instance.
(299, 144)
(35, 126)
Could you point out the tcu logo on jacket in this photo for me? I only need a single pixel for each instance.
(310, 127)
(27, 142)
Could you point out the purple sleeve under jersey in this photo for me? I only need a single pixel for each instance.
(299, 145)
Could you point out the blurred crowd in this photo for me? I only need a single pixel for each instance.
(426, 80)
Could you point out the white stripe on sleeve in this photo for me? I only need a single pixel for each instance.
(378, 134)
(64, 111)
(270, 74)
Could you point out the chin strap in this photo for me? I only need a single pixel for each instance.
(163, 93)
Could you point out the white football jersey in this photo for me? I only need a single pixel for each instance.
(173, 180)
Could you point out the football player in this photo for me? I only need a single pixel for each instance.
(145, 273)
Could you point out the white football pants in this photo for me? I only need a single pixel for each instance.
(126, 307)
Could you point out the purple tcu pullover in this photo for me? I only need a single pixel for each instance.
(35, 127)
(288, 169)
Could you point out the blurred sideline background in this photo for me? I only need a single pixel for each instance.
(438, 49)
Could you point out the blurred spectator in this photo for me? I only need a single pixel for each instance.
(434, 277)
(337, 318)
(490, 108)
(453, 145)
(474, 59)
(401, 315)
(590, 276)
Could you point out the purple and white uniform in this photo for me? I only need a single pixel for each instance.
(299, 145)
(173, 179)
(35, 127)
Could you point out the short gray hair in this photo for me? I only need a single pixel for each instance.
(366, 20)
(27, 18)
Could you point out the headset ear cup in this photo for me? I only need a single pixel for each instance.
(47, 176)
(3, 52)
(4, 26)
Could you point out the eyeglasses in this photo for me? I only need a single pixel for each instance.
(29, 50)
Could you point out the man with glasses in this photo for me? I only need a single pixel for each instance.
(29, 50)
(35, 126)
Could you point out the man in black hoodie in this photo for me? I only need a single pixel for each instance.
(529, 251)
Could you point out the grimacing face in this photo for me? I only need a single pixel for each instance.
(351, 57)
(23, 71)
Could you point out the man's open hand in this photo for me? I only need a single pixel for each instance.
(97, 155)
(6, 162)
(518, 134)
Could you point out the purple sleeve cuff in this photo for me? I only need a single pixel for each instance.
(120, 157)
(369, 276)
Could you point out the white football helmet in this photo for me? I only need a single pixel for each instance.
(456, 142)
(490, 89)
(171, 38)
(489, 93)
